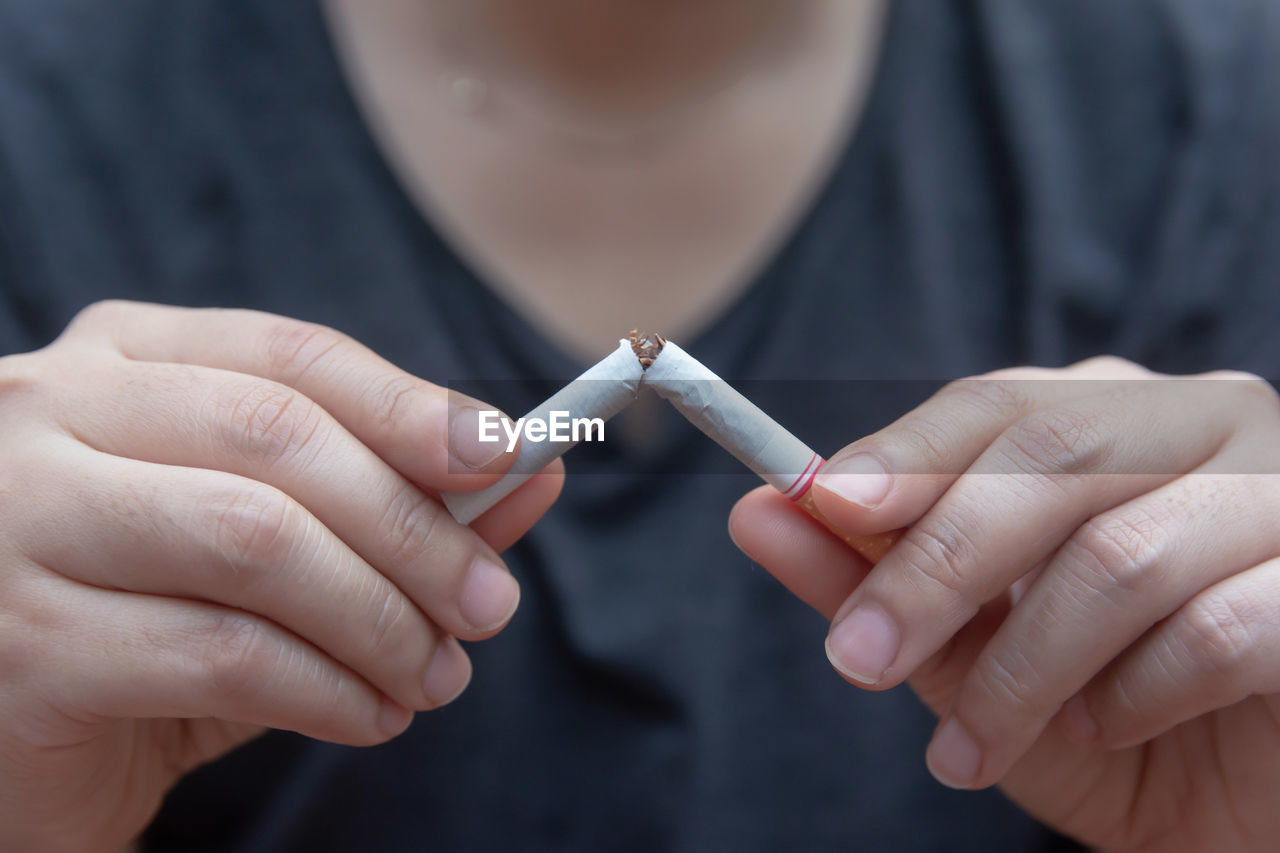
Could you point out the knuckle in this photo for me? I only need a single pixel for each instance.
(255, 528)
(391, 401)
(939, 553)
(1121, 551)
(1256, 392)
(1020, 375)
(1218, 633)
(1125, 702)
(1121, 704)
(19, 375)
(393, 613)
(239, 657)
(931, 442)
(36, 623)
(102, 314)
(1241, 376)
(997, 397)
(1005, 681)
(1111, 364)
(269, 423)
(933, 434)
(1057, 441)
(30, 376)
(411, 524)
(294, 347)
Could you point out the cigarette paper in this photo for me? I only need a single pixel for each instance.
(732, 421)
(601, 392)
(755, 439)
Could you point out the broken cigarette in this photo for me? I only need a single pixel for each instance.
(601, 392)
(755, 439)
(711, 404)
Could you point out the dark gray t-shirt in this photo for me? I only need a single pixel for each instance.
(1034, 181)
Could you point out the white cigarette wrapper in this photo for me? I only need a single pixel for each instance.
(601, 392)
(734, 422)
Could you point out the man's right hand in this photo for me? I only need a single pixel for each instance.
(217, 521)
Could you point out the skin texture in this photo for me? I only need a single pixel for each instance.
(1087, 595)
(222, 521)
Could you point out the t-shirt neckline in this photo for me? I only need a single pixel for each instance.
(767, 282)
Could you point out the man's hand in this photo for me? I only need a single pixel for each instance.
(1088, 595)
(215, 521)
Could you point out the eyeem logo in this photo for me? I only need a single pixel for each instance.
(559, 427)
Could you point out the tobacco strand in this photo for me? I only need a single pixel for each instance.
(647, 347)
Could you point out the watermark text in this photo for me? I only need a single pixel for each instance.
(558, 427)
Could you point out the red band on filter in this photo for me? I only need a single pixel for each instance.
(801, 486)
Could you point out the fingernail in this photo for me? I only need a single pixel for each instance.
(860, 479)
(732, 536)
(864, 644)
(464, 438)
(393, 719)
(489, 595)
(1078, 721)
(954, 758)
(448, 673)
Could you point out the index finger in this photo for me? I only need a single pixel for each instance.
(424, 431)
(890, 478)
